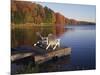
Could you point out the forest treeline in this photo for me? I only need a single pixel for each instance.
(28, 12)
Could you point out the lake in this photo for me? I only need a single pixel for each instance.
(82, 40)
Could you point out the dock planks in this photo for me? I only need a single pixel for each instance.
(41, 55)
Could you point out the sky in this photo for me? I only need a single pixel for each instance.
(74, 11)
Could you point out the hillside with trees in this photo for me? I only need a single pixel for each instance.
(28, 12)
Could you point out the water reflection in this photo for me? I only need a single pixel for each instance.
(54, 66)
(26, 34)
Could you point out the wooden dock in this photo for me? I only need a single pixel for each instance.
(55, 53)
(40, 55)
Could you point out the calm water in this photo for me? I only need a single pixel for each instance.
(82, 40)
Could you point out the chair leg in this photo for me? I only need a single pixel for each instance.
(55, 46)
(47, 46)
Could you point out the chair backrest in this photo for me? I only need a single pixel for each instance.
(45, 40)
(51, 39)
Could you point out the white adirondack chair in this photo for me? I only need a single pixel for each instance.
(50, 41)
(53, 42)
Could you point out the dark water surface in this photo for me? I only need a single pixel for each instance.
(82, 40)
